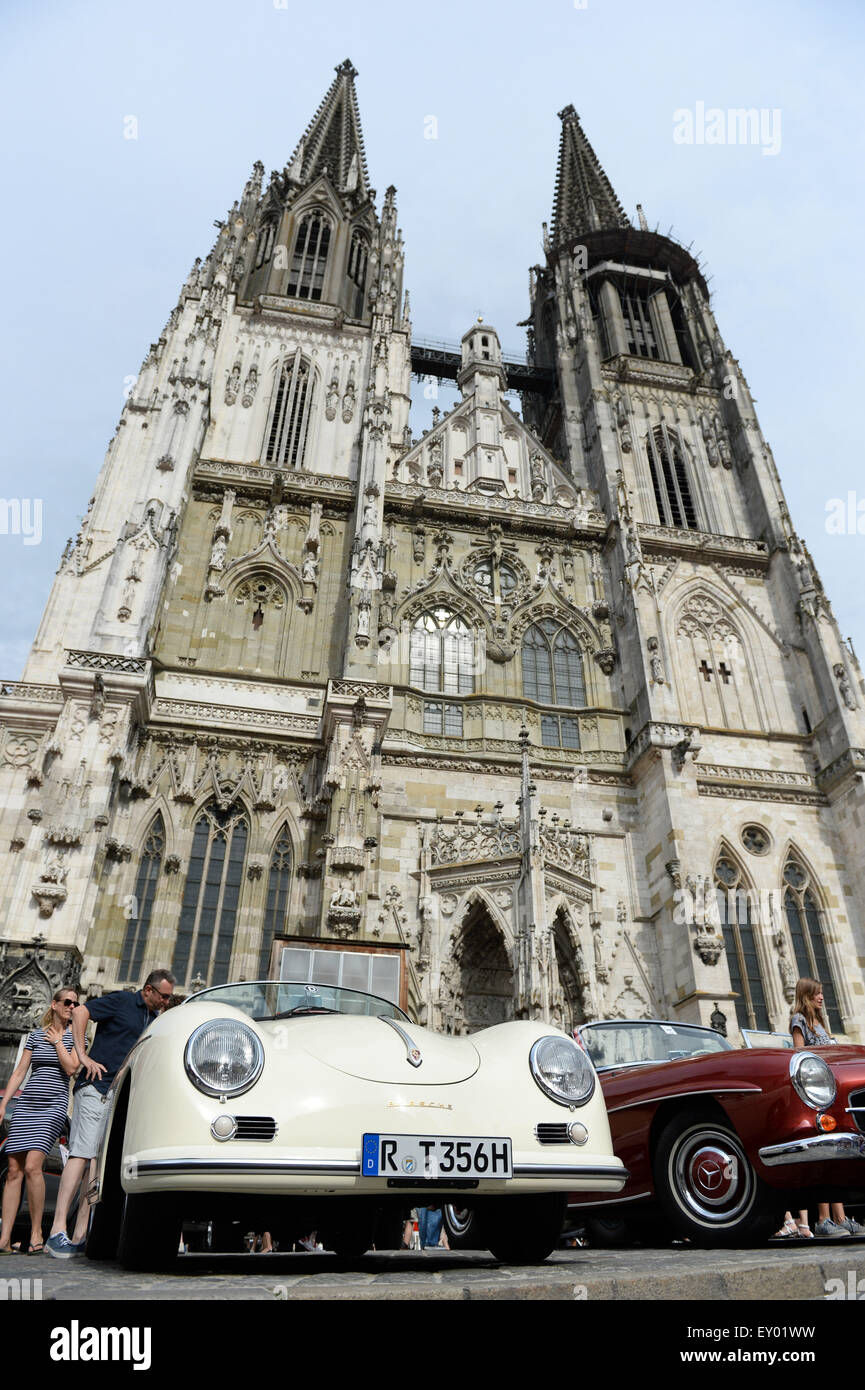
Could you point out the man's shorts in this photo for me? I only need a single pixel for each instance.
(88, 1122)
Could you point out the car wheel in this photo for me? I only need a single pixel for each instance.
(521, 1230)
(462, 1228)
(706, 1184)
(149, 1231)
(608, 1232)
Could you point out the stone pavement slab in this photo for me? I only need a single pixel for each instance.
(679, 1273)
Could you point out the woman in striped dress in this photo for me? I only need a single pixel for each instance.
(40, 1114)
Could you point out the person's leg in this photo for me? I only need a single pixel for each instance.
(422, 1225)
(35, 1193)
(11, 1198)
(82, 1220)
(72, 1174)
(434, 1227)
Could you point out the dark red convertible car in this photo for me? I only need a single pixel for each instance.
(717, 1140)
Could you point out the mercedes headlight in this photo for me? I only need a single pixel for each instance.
(813, 1080)
(562, 1070)
(223, 1057)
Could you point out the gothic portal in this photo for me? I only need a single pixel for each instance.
(536, 713)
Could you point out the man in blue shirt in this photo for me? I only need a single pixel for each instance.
(121, 1018)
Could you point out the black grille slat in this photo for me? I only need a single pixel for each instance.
(262, 1127)
(857, 1098)
(552, 1133)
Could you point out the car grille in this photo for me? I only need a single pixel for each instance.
(857, 1098)
(256, 1127)
(552, 1133)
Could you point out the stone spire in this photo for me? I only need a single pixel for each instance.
(584, 199)
(333, 140)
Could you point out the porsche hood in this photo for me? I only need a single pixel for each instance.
(378, 1049)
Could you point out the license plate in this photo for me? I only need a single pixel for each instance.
(427, 1156)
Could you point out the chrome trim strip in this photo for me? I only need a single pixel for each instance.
(679, 1095)
(608, 1202)
(347, 1166)
(245, 1165)
(412, 1051)
(569, 1170)
(814, 1149)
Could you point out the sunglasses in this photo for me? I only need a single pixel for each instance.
(68, 1003)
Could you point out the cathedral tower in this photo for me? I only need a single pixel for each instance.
(542, 716)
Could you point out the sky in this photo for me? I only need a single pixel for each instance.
(129, 128)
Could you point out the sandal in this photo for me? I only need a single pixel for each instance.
(803, 1231)
(787, 1232)
(36, 1249)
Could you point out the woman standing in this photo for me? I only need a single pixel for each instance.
(40, 1114)
(808, 1029)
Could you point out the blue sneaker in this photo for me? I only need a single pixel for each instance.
(60, 1247)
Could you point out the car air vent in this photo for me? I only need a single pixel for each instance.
(551, 1133)
(856, 1101)
(256, 1127)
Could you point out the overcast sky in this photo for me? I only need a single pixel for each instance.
(101, 229)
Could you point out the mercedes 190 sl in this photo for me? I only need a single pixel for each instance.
(718, 1140)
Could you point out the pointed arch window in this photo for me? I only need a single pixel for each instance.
(288, 426)
(806, 931)
(442, 653)
(309, 262)
(743, 962)
(553, 665)
(670, 481)
(278, 893)
(146, 882)
(358, 258)
(265, 243)
(211, 895)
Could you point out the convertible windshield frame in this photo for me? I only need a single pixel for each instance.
(266, 1000)
(613, 1043)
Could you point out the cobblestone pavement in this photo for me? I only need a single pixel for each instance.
(678, 1273)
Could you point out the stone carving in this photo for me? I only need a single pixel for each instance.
(844, 686)
(538, 475)
(623, 426)
(344, 912)
(785, 967)
(463, 843)
(567, 848)
(232, 385)
(349, 399)
(655, 663)
(332, 398)
(50, 889)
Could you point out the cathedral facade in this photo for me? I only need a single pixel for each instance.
(543, 713)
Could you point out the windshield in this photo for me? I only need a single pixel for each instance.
(627, 1044)
(265, 999)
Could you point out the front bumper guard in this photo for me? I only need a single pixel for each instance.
(818, 1148)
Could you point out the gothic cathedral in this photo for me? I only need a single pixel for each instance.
(543, 713)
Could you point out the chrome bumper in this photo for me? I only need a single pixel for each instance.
(349, 1167)
(819, 1148)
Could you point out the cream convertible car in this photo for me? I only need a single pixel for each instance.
(294, 1107)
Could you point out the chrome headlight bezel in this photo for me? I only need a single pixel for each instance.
(543, 1081)
(208, 1088)
(801, 1085)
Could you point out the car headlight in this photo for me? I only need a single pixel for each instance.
(562, 1070)
(223, 1057)
(813, 1080)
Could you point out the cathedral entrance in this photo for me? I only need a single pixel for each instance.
(573, 1004)
(482, 976)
